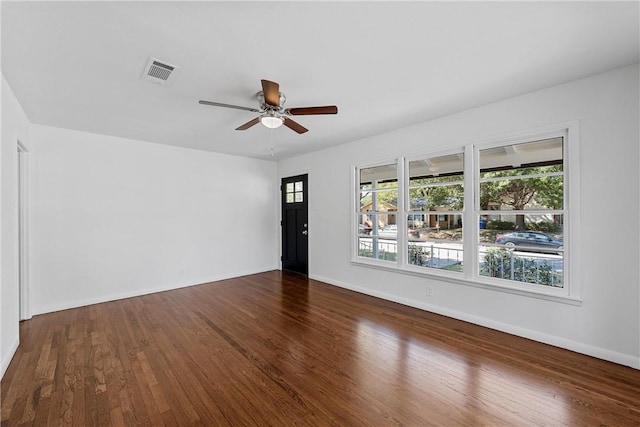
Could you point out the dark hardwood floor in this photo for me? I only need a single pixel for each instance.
(278, 349)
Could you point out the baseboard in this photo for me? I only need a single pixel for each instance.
(600, 353)
(6, 359)
(145, 291)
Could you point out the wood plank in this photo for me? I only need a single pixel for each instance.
(279, 349)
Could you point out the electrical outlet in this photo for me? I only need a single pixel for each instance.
(429, 291)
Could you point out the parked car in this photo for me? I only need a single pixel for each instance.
(364, 229)
(532, 241)
(414, 233)
(391, 232)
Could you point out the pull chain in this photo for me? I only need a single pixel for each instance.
(271, 135)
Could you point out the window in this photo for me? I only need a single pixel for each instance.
(521, 199)
(490, 214)
(436, 196)
(377, 201)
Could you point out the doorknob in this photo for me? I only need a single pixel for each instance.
(305, 232)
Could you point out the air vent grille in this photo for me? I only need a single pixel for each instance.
(158, 71)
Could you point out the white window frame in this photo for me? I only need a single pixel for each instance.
(355, 210)
(405, 190)
(570, 293)
(535, 288)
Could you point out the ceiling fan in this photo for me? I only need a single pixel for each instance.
(272, 111)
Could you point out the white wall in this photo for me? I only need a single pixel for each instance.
(607, 324)
(14, 128)
(113, 217)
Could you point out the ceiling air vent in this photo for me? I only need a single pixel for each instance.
(159, 71)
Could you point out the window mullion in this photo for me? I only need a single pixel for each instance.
(436, 184)
(470, 224)
(375, 226)
(514, 177)
(401, 220)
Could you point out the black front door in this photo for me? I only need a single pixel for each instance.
(295, 243)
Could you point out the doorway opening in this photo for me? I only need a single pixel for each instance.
(22, 168)
(295, 230)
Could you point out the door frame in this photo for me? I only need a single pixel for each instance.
(281, 208)
(22, 190)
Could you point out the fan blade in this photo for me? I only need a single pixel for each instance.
(237, 107)
(294, 125)
(249, 124)
(305, 111)
(271, 91)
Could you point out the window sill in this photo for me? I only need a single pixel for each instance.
(457, 279)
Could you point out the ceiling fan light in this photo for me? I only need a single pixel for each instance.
(271, 122)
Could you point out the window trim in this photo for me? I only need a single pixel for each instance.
(570, 293)
(405, 192)
(569, 133)
(355, 208)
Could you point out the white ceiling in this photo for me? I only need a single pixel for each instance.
(385, 65)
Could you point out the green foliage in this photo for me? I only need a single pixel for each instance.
(451, 196)
(500, 225)
(518, 192)
(418, 255)
(383, 255)
(551, 191)
(388, 195)
(389, 198)
(454, 267)
(503, 264)
(545, 226)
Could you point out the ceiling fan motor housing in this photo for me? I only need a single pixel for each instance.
(266, 107)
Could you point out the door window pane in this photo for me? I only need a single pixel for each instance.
(294, 192)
